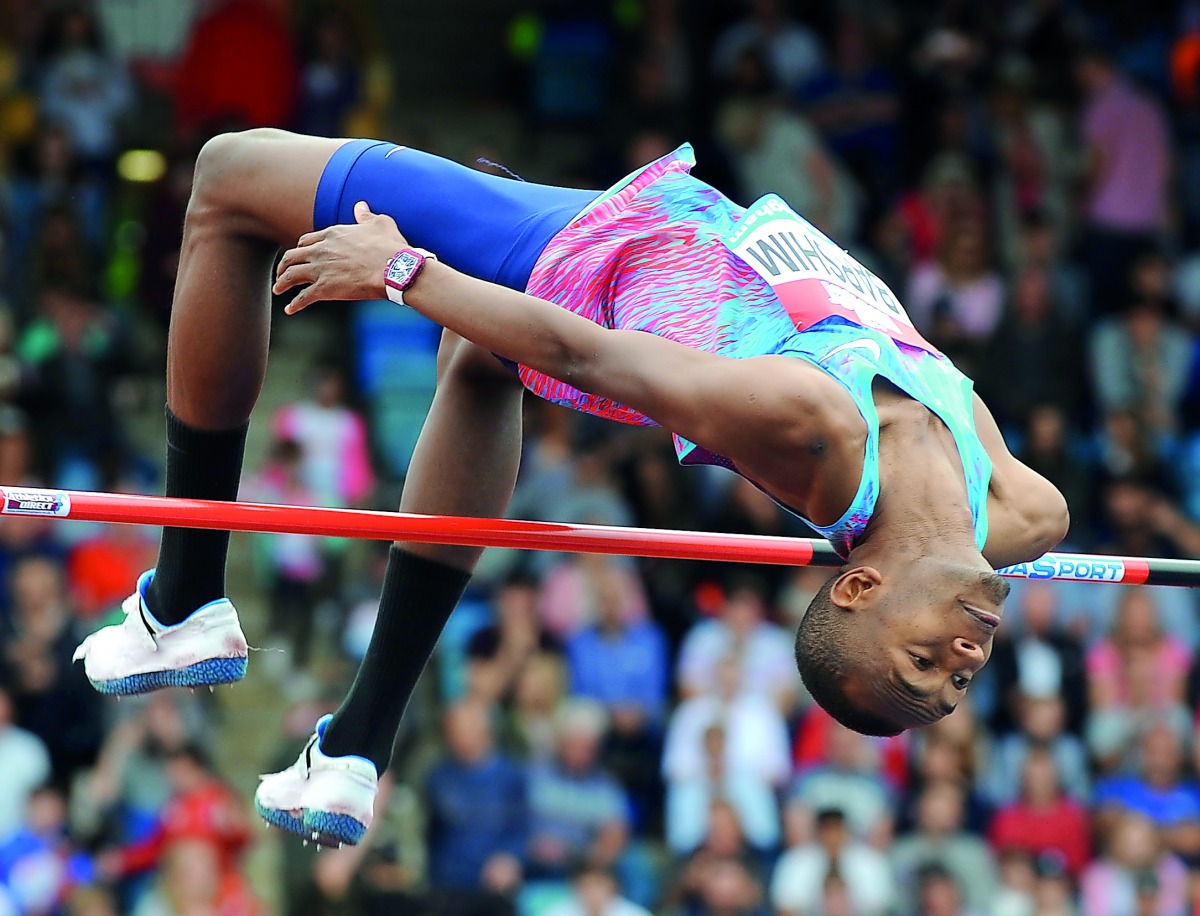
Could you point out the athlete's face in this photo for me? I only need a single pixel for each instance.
(923, 637)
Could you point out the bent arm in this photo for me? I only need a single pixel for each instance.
(1027, 515)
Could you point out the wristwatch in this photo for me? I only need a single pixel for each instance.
(403, 270)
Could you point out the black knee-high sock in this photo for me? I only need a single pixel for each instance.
(418, 597)
(191, 562)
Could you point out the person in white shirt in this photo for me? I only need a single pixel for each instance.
(26, 765)
(733, 743)
(798, 884)
(763, 651)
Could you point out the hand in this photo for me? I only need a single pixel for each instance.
(341, 262)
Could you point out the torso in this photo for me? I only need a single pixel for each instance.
(668, 255)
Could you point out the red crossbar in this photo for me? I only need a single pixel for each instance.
(529, 535)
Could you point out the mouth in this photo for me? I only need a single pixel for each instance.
(990, 621)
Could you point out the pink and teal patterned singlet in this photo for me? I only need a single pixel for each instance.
(665, 253)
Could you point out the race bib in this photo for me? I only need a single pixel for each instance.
(814, 278)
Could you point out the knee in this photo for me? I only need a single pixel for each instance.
(224, 164)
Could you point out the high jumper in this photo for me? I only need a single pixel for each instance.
(761, 344)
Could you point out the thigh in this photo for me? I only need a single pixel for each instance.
(261, 183)
(487, 226)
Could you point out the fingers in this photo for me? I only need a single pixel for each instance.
(294, 275)
(305, 298)
(362, 212)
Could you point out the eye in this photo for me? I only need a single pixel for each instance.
(922, 664)
(960, 682)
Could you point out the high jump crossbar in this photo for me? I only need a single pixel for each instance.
(174, 512)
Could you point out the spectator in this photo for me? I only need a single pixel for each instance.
(957, 299)
(239, 67)
(1043, 819)
(755, 752)
(777, 151)
(595, 893)
(77, 352)
(849, 781)
(26, 766)
(1048, 450)
(1041, 659)
(578, 810)
(1158, 790)
(1137, 671)
(497, 654)
(82, 88)
(1034, 358)
(1141, 362)
(690, 799)
(940, 893)
(336, 463)
(800, 877)
(1136, 874)
(294, 563)
(202, 809)
(939, 840)
(49, 181)
(1017, 879)
(52, 696)
(130, 783)
(855, 104)
(330, 77)
(1040, 247)
(622, 663)
(939, 757)
(1040, 721)
(537, 698)
(724, 841)
(38, 863)
(191, 881)
(728, 888)
(478, 810)
(1128, 170)
(793, 50)
(570, 592)
(761, 650)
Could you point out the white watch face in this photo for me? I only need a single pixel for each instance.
(402, 267)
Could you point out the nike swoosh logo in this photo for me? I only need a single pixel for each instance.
(394, 149)
(863, 344)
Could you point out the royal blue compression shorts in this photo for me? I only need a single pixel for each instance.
(486, 226)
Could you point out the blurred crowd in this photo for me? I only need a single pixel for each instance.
(607, 736)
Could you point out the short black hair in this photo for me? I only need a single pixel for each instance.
(824, 649)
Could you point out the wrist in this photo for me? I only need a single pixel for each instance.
(403, 271)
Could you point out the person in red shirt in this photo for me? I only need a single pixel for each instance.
(202, 808)
(1043, 819)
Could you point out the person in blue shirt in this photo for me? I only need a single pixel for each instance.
(1158, 791)
(622, 663)
(478, 809)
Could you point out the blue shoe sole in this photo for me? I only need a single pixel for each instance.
(207, 673)
(331, 829)
(284, 820)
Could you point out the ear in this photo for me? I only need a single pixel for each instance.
(852, 590)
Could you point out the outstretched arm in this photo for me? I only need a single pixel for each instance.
(719, 403)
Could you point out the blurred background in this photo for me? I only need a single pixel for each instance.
(612, 736)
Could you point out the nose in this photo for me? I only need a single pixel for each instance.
(969, 651)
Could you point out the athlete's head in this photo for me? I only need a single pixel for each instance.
(882, 650)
